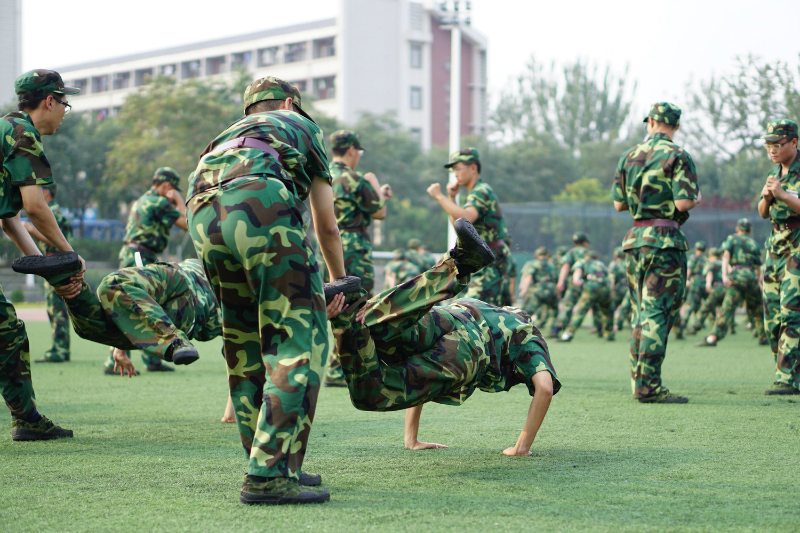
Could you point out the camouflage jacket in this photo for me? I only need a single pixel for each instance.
(490, 224)
(695, 266)
(403, 269)
(715, 267)
(541, 270)
(354, 200)
(572, 256)
(298, 141)
(744, 251)
(649, 178)
(784, 242)
(63, 224)
(151, 218)
(422, 260)
(593, 273)
(24, 162)
(618, 271)
(207, 320)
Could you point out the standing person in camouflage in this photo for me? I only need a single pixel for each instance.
(695, 287)
(537, 288)
(712, 277)
(565, 285)
(779, 202)
(482, 208)
(56, 308)
(656, 182)
(592, 279)
(245, 210)
(147, 232)
(741, 262)
(398, 351)
(25, 170)
(417, 254)
(399, 270)
(617, 270)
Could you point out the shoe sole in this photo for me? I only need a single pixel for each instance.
(466, 233)
(47, 265)
(185, 356)
(29, 435)
(345, 285)
(249, 498)
(666, 400)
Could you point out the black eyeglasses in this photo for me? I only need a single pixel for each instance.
(67, 107)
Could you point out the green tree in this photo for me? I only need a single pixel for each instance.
(584, 190)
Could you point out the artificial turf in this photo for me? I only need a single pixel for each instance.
(150, 453)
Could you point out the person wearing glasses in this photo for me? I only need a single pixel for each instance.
(41, 108)
(780, 204)
(358, 199)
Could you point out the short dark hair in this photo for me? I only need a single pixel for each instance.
(263, 106)
(31, 103)
(339, 152)
(477, 164)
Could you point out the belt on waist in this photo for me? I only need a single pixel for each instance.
(496, 245)
(141, 248)
(792, 224)
(657, 223)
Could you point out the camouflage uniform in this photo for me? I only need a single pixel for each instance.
(620, 296)
(572, 293)
(649, 178)
(424, 261)
(713, 301)
(409, 352)
(402, 267)
(492, 284)
(24, 164)
(696, 290)
(540, 300)
(782, 269)
(595, 295)
(745, 260)
(245, 210)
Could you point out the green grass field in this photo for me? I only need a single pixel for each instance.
(150, 453)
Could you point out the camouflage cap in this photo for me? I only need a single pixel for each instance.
(271, 88)
(743, 224)
(465, 155)
(167, 174)
(590, 254)
(619, 252)
(400, 254)
(414, 243)
(664, 112)
(39, 83)
(714, 252)
(344, 139)
(561, 250)
(780, 129)
(541, 251)
(580, 237)
(52, 187)
(700, 245)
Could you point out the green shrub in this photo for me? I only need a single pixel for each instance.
(17, 296)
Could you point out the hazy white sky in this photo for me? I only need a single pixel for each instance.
(665, 43)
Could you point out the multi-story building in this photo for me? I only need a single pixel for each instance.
(376, 56)
(11, 47)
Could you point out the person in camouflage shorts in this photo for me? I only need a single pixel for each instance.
(398, 351)
(42, 98)
(741, 261)
(56, 308)
(656, 182)
(592, 278)
(147, 232)
(570, 293)
(482, 208)
(779, 202)
(537, 288)
(245, 210)
(400, 269)
(695, 287)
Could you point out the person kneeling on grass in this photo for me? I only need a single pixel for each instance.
(398, 351)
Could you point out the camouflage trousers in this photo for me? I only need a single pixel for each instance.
(743, 287)
(782, 315)
(251, 240)
(566, 305)
(622, 312)
(657, 281)
(541, 301)
(695, 295)
(15, 362)
(710, 305)
(59, 325)
(598, 299)
(492, 284)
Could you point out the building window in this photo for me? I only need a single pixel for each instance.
(100, 114)
(268, 56)
(416, 15)
(100, 84)
(115, 110)
(122, 80)
(416, 134)
(416, 98)
(324, 88)
(415, 56)
(168, 70)
(190, 69)
(294, 52)
(215, 65)
(142, 76)
(241, 60)
(324, 48)
(81, 84)
(482, 66)
(301, 85)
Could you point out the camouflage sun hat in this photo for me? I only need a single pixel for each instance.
(714, 252)
(39, 83)
(580, 237)
(465, 155)
(780, 129)
(344, 139)
(700, 245)
(743, 224)
(541, 251)
(271, 88)
(664, 112)
(414, 243)
(169, 175)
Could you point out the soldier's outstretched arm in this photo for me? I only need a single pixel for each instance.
(543, 385)
(19, 235)
(412, 431)
(330, 243)
(524, 283)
